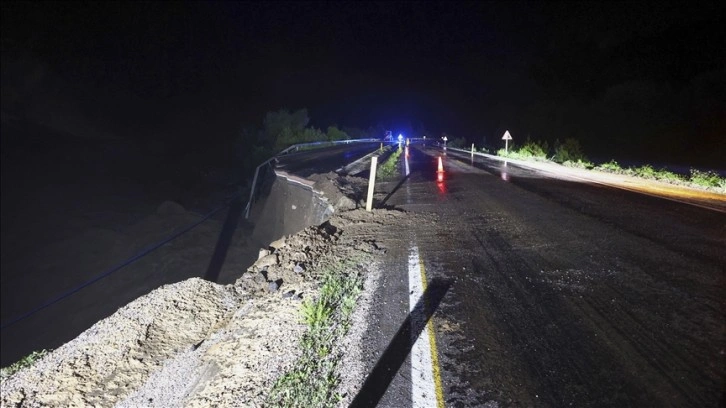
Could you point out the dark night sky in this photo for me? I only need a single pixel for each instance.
(620, 76)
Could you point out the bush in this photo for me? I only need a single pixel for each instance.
(458, 142)
(669, 176)
(336, 134)
(647, 171)
(311, 135)
(580, 164)
(708, 179)
(533, 149)
(285, 128)
(611, 167)
(570, 151)
(504, 153)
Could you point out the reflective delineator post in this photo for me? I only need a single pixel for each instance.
(440, 171)
(472, 148)
(381, 146)
(371, 183)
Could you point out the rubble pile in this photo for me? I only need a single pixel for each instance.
(196, 343)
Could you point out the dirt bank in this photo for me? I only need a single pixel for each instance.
(196, 343)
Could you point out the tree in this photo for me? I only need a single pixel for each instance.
(312, 134)
(251, 148)
(459, 142)
(284, 129)
(569, 150)
(356, 133)
(336, 134)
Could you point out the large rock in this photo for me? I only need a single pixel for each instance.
(265, 262)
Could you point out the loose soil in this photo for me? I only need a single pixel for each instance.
(197, 343)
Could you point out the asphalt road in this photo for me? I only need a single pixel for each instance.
(549, 293)
(324, 160)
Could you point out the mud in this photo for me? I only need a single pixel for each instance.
(196, 343)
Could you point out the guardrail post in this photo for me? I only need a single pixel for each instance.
(252, 191)
(371, 183)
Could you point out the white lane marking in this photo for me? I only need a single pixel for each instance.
(423, 381)
(591, 178)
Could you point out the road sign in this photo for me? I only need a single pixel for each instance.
(507, 137)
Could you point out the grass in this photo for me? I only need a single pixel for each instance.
(611, 167)
(312, 380)
(389, 168)
(708, 179)
(579, 164)
(570, 154)
(27, 361)
(530, 151)
(703, 179)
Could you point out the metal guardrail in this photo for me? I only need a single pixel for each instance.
(295, 148)
(299, 146)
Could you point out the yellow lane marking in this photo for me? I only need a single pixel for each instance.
(432, 340)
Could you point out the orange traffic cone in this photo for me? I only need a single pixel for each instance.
(441, 166)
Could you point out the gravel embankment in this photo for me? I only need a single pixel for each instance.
(197, 344)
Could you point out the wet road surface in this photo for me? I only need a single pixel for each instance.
(557, 293)
(323, 160)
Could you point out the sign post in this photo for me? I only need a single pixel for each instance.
(507, 137)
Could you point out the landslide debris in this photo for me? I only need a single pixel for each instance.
(196, 343)
(98, 367)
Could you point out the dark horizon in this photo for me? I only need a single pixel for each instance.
(643, 80)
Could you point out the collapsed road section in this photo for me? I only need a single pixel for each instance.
(197, 343)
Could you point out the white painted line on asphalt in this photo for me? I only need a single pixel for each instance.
(592, 178)
(426, 388)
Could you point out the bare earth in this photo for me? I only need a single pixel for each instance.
(197, 343)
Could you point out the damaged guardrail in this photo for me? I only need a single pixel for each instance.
(294, 148)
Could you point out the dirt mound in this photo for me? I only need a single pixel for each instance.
(290, 260)
(343, 192)
(118, 353)
(196, 343)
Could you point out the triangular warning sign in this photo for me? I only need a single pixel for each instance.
(507, 136)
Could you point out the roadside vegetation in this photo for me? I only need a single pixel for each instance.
(27, 361)
(389, 168)
(313, 378)
(569, 153)
(696, 178)
(458, 142)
